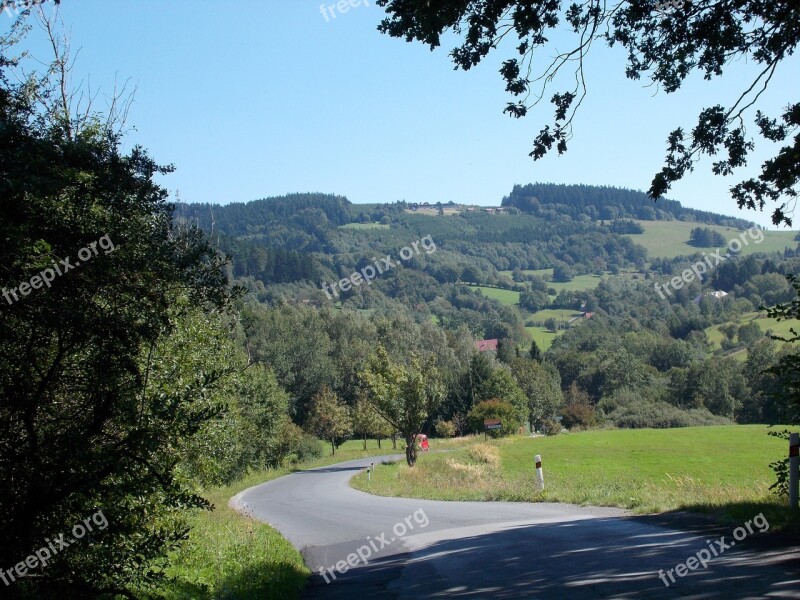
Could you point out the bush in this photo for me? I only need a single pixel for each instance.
(578, 415)
(445, 429)
(308, 448)
(663, 415)
(289, 437)
(550, 427)
(494, 409)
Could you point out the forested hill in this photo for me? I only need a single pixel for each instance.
(304, 211)
(595, 276)
(576, 230)
(600, 202)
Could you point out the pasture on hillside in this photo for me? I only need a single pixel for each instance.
(667, 239)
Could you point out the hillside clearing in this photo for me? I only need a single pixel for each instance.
(781, 328)
(667, 239)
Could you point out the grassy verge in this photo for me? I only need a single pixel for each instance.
(229, 555)
(719, 470)
(232, 556)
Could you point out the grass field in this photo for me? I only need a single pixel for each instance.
(509, 297)
(559, 314)
(669, 238)
(364, 226)
(578, 283)
(722, 470)
(542, 337)
(715, 336)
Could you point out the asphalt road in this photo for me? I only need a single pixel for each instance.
(406, 548)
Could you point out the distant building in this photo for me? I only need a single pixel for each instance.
(718, 294)
(484, 345)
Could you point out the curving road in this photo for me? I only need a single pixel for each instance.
(405, 548)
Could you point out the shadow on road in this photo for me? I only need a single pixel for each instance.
(327, 470)
(594, 558)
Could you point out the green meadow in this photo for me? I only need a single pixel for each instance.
(542, 337)
(667, 239)
(509, 297)
(715, 336)
(722, 470)
(579, 283)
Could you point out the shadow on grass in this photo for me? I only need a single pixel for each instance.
(586, 559)
(777, 514)
(276, 581)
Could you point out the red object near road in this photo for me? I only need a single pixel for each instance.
(423, 442)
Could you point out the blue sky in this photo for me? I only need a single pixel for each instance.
(259, 98)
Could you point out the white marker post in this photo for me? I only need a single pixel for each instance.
(539, 475)
(794, 463)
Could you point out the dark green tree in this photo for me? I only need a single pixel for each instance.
(534, 352)
(749, 333)
(82, 427)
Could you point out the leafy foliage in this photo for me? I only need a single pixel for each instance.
(494, 409)
(329, 418)
(95, 409)
(403, 395)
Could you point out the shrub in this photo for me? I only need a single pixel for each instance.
(550, 427)
(445, 429)
(662, 415)
(308, 448)
(578, 415)
(484, 453)
(288, 440)
(494, 409)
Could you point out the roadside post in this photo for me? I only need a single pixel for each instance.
(539, 475)
(794, 463)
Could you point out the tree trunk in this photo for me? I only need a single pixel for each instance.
(379, 443)
(333, 446)
(365, 441)
(394, 442)
(411, 450)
